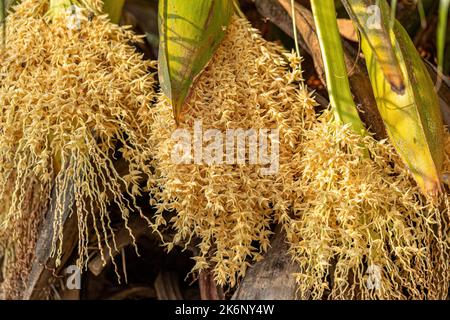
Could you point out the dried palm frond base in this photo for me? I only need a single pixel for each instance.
(18, 249)
(229, 207)
(362, 229)
(72, 98)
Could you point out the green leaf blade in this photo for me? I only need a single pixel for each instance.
(413, 120)
(114, 9)
(373, 18)
(190, 32)
(341, 98)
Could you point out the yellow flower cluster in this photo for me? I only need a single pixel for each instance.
(72, 99)
(357, 225)
(362, 229)
(229, 209)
